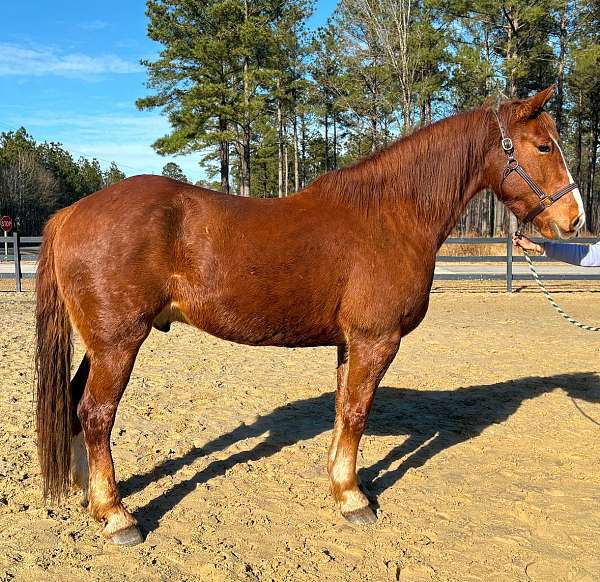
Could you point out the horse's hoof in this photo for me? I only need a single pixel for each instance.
(130, 536)
(84, 501)
(362, 516)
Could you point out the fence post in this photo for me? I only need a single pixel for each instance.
(509, 264)
(17, 257)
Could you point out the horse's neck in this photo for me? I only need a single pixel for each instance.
(442, 171)
(422, 182)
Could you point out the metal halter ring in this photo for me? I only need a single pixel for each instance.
(507, 145)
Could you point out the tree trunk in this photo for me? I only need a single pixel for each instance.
(279, 146)
(373, 133)
(246, 131)
(561, 67)
(303, 151)
(285, 170)
(265, 180)
(224, 162)
(296, 168)
(224, 156)
(246, 164)
(334, 141)
(594, 162)
(224, 149)
(427, 111)
(492, 210)
(592, 173)
(326, 138)
(243, 151)
(578, 140)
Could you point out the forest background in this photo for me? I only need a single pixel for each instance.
(267, 104)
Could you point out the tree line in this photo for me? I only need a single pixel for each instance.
(36, 179)
(268, 105)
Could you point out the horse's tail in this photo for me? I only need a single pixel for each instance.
(53, 355)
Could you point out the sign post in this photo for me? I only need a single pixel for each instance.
(6, 225)
(17, 257)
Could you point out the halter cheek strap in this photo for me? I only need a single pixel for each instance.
(512, 165)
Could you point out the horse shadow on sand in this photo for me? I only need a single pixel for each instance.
(433, 420)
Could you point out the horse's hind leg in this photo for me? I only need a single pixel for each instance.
(340, 396)
(110, 368)
(79, 460)
(368, 359)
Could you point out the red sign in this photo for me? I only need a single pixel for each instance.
(6, 223)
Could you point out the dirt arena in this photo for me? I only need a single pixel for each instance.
(482, 453)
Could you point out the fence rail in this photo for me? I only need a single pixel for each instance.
(509, 259)
(27, 248)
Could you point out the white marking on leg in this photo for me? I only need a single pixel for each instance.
(353, 500)
(340, 470)
(79, 461)
(79, 466)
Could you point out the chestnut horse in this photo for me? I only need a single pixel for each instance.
(346, 262)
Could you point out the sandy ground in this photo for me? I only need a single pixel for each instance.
(482, 452)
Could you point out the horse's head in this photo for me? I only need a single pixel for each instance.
(528, 169)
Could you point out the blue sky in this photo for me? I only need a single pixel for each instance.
(70, 72)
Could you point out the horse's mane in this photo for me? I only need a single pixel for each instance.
(429, 167)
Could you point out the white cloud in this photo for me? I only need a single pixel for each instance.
(135, 158)
(124, 138)
(21, 61)
(94, 25)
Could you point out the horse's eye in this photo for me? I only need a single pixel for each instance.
(544, 148)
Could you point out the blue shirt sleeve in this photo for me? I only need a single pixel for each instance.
(582, 255)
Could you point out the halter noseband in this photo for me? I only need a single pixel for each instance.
(512, 165)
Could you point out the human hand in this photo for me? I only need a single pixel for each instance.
(521, 241)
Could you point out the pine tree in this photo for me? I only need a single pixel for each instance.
(174, 171)
(213, 75)
(193, 77)
(112, 176)
(584, 83)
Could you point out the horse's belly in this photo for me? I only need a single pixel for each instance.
(266, 325)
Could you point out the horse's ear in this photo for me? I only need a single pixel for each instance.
(534, 105)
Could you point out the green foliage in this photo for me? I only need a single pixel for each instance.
(217, 71)
(173, 170)
(267, 105)
(271, 107)
(37, 179)
(112, 175)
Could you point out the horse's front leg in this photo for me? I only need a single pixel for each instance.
(108, 377)
(368, 360)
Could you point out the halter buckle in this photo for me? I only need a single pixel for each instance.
(507, 145)
(547, 202)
